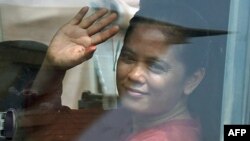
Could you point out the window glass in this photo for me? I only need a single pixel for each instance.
(176, 68)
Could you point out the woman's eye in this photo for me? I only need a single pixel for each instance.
(157, 68)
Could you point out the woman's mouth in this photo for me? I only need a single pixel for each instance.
(135, 92)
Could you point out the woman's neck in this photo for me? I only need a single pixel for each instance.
(141, 122)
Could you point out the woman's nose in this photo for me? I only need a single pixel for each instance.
(137, 73)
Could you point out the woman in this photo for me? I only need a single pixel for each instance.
(161, 63)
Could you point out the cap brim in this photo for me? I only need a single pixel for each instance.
(195, 32)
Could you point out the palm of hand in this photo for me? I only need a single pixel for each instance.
(75, 42)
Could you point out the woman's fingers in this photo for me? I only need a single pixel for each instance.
(78, 17)
(95, 22)
(104, 22)
(104, 35)
(80, 29)
(93, 18)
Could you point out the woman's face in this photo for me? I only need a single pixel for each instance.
(149, 77)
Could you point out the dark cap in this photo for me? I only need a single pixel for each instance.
(177, 13)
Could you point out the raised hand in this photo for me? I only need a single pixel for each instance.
(75, 42)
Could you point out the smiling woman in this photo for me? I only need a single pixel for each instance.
(155, 80)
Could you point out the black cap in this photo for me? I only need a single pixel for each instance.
(177, 13)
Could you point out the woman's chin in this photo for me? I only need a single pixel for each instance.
(135, 107)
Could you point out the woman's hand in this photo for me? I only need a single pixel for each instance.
(75, 42)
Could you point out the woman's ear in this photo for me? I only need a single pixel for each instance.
(193, 81)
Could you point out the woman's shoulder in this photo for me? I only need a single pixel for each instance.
(175, 130)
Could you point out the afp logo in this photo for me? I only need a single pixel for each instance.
(236, 132)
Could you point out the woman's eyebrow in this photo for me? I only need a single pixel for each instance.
(158, 60)
(127, 50)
